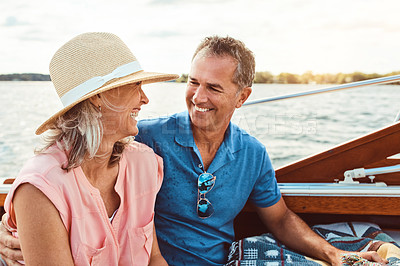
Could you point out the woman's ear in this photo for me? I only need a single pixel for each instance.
(244, 94)
(95, 100)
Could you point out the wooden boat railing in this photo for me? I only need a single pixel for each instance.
(5, 185)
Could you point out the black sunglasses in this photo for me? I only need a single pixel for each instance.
(205, 183)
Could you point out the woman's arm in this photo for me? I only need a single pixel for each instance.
(156, 258)
(44, 239)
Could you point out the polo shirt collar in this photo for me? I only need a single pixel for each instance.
(233, 138)
(184, 136)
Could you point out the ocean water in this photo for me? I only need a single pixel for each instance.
(290, 129)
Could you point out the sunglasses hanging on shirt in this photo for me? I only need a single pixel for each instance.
(205, 183)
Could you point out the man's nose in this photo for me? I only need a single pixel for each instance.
(200, 95)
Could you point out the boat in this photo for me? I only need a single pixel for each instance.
(358, 180)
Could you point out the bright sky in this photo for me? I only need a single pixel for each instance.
(323, 36)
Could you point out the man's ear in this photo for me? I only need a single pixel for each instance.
(244, 94)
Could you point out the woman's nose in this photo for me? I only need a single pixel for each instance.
(143, 97)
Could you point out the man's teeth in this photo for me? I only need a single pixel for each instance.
(201, 109)
(134, 115)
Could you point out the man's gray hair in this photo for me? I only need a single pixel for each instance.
(228, 46)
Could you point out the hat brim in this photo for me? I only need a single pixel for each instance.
(144, 77)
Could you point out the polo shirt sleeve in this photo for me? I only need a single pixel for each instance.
(266, 191)
(155, 134)
(145, 135)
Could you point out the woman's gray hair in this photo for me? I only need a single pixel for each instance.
(79, 133)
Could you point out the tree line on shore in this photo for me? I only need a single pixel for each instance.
(24, 77)
(260, 77)
(310, 78)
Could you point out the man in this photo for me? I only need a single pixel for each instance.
(212, 168)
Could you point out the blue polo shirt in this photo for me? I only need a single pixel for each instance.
(243, 171)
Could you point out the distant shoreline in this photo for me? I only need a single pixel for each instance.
(260, 77)
(24, 77)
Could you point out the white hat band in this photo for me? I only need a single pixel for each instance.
(96, 82)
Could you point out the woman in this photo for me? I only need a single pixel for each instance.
(87, 197)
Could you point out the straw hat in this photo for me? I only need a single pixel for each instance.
(92, 63)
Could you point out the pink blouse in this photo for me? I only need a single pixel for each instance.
(94, 239)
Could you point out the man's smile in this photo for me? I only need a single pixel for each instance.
(201, 109)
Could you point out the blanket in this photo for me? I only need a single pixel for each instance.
(266, 250)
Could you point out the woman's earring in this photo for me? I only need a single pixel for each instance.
(100, 108)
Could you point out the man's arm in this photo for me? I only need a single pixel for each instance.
(292, 231)
(10, 249)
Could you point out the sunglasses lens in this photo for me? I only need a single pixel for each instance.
(206, 182)
(204, 208)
